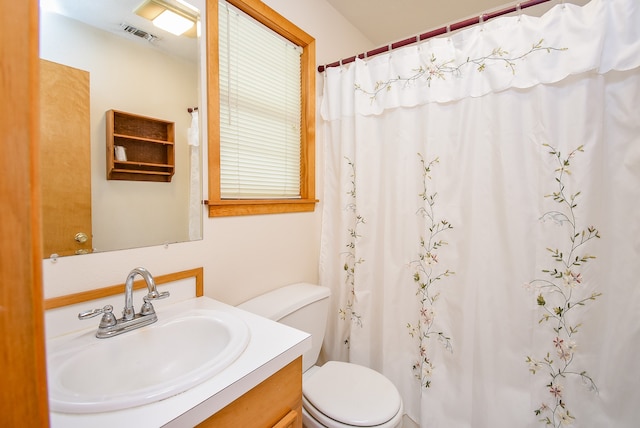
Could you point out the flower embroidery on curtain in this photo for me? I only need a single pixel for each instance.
(559, 295)
(436, 69)
(426, 274)
(351, 261)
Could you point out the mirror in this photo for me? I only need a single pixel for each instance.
(98, 56)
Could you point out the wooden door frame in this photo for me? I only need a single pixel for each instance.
(23, 399)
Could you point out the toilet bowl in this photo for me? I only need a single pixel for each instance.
(336, 394)
(345, 395)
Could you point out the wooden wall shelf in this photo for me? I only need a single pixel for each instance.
(149, 145)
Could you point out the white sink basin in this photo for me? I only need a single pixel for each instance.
(89, 375)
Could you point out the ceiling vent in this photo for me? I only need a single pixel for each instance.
(139, 33)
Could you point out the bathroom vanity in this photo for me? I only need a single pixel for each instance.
(280, 394)
(262, 387)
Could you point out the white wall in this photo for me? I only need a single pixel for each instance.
(242, 256)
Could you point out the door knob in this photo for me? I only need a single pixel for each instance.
(81, 237)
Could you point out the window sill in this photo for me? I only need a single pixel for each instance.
(236, 207)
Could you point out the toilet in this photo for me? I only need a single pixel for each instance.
(336, 394)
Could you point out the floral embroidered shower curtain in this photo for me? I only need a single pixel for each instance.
(481, 223)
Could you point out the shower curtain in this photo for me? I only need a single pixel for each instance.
(481, 220)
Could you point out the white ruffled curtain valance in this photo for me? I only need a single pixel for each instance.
(510, 52)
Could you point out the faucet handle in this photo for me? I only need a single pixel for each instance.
(154, 295)
(94, 312)
(147, 307)
(108, 319)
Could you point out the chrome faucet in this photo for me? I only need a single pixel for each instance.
(110, 326)
(147, 308)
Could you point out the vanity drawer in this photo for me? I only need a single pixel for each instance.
(274, 403)
(289, 420)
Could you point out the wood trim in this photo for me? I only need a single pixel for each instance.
(308, 148)
(213, 100)
(273, 403)
(273, 20)
(84, 296)
(23, 390)
(253, 207)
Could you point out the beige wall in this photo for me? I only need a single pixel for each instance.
(242, 256)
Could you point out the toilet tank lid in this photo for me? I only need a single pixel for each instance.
(285, 300)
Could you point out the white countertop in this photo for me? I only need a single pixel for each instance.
(271, 347)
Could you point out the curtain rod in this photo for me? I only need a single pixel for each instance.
(437, 32)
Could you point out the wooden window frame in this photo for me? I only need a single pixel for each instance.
(219, 207)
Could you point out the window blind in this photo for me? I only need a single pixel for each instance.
(260, 109)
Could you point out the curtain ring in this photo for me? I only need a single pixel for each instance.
(519, 11)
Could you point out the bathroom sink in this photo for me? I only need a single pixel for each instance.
(89, 375)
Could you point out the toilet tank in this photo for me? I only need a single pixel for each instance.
(302, 306)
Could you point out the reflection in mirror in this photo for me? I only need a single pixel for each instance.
(98, 56)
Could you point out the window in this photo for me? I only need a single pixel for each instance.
(262, 112)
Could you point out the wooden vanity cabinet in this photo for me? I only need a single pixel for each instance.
(274, 403)
(148, 144)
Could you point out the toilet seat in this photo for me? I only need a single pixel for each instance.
(342, 394)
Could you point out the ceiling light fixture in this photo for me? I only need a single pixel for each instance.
(172, 22)
(169, 17)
